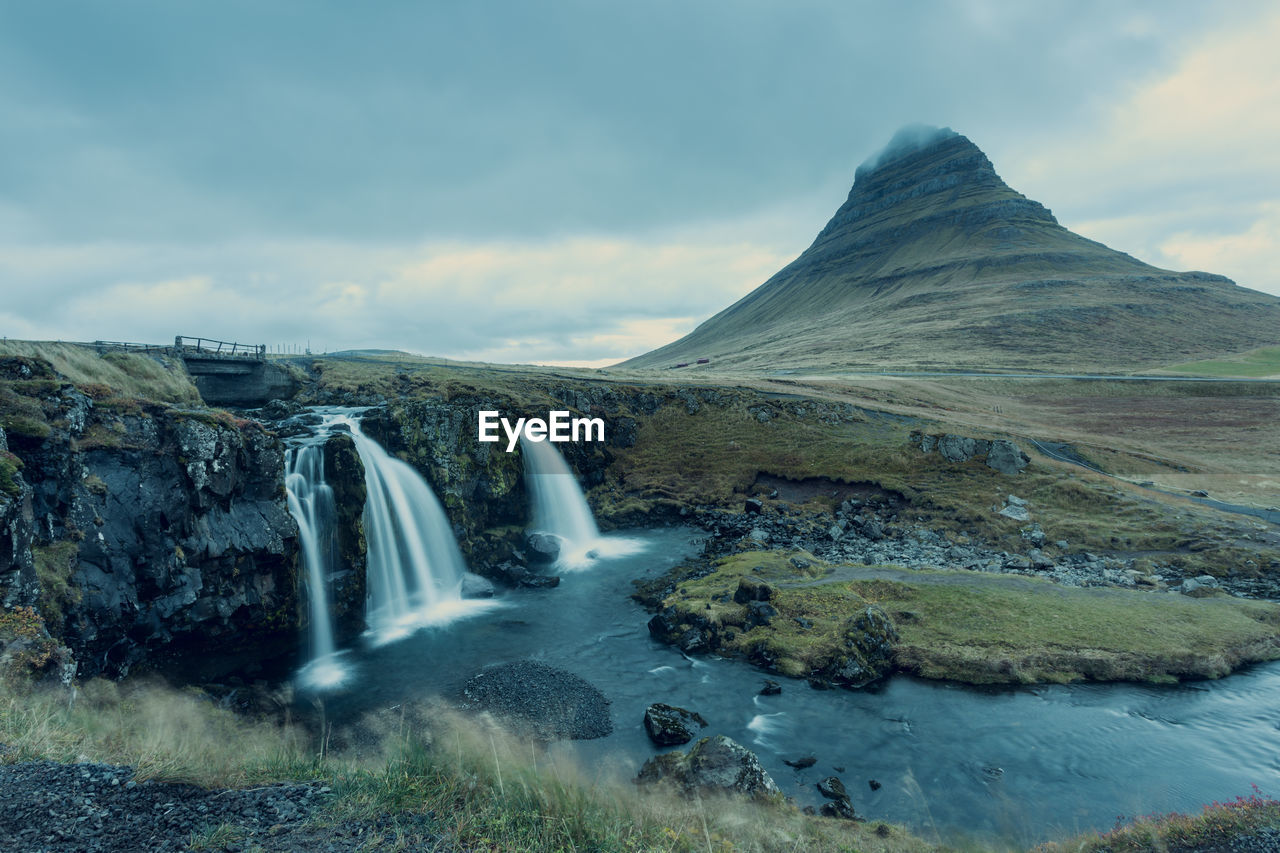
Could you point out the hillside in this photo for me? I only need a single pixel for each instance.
(934, 262)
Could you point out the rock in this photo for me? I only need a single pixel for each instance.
(714, 764)
(835, 532)
(832, 788)
(1017, 513)
(842, 809)
(759, 613)
(669, 725)
(542, 548)
(753, 506)
(875, 786)
(873, 530)
(956, 448)
(801, 763)
(532, 581)
(750, 589)
(759, 534)
(770, 688)
(1006, 457)
(474, 586)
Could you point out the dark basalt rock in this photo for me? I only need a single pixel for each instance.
(770, 688)
(669, 725)
(715, 764)
(165, 532)
(542, 548)
(801, 763)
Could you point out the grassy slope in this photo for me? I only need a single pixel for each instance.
(1263, 362)
(434, 773)
(982, 628)
(114, 374)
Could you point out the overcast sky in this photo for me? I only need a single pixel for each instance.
(577, 181)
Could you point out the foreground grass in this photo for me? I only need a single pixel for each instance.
(435, 774)
(984, 628)
(1215, 828)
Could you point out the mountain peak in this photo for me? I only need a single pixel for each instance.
(933, 261)
(909, 139)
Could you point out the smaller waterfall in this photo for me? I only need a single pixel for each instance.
(560, 509)
(310, 501)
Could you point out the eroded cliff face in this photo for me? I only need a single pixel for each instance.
(481, 485)
(145, 532)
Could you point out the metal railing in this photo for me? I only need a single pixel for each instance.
(209, 348)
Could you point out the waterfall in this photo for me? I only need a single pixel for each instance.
(310, 501)
(415, 569)
(560, 509)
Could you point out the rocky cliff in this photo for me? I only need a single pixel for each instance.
(143, 531)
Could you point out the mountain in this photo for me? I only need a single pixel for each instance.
(933, 262)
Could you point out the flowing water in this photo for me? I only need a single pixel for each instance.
(310, 501)
(559, 508)
(1022, 765)
(414, 568)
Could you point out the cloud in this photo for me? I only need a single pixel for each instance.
(1186, 161)
(581, 299)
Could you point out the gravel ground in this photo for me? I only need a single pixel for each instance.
(47, 807)
(551, 703)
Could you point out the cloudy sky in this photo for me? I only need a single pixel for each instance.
(577, 181)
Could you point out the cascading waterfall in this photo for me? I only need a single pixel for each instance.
(310, 501)
(414, 570)
(560, 509)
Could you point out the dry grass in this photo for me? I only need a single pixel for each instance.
(434, 772)
(115, 374)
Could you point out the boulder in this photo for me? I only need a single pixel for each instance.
(801, 763)
(669, 725)
(474, 586)
(759, 613)
(750, 589)
(956, 448)
(542, 548)
(753, 506)
(714, 764)
(1006, 457)
(770, 688)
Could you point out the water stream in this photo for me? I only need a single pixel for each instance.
(1022, 765)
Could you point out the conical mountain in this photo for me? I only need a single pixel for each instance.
(933, 262)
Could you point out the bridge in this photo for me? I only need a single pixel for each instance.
(233, 374)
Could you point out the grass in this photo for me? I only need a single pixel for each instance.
(1215, 828)
(1254, 363)
(114, 374)
(433, 773)
(982, 628)
(1001, 629)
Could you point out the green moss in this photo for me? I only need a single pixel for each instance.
(55, 564)
(983, 628)
(10, 465)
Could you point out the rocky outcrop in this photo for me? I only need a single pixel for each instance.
(1001, 454)
(668, 725)
(713, 765)
(150, 533)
